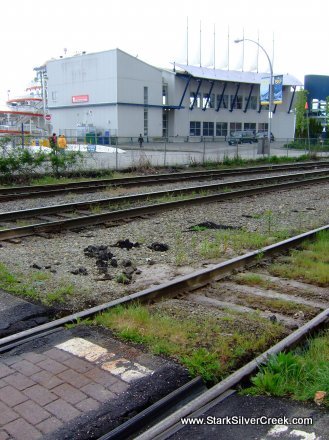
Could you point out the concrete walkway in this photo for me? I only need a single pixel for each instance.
(78, 383)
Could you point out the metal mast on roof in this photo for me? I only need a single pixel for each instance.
(200, 43)
(243, 50)
(228, 48)
(257, 48)
(187, 41)
(214, 46)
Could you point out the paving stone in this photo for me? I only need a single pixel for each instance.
(2, 383)
(78, 364)
(101, 376)
(74, 378)
(11, 397)
(40, 395)
(62, 410)
(69, 393)
(52, 366)
(118, 387)
(21, 429)
(49, 425)
(33, 357)
(19, 381)
(32, 412)
(46, 379)
(25, 367)
(11, 360)
(6, 414)
(98, 392)
(57, 354)
(87, 405)
(5, 371)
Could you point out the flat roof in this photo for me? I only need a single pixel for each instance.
(233, 75)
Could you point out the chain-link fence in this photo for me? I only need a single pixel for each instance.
(130, 152)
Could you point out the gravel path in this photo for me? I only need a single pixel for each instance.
(55, 258)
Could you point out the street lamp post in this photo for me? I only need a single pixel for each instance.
(270, 98)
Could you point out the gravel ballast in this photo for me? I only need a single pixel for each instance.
(95, 279)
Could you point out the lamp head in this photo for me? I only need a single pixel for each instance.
(238, 40)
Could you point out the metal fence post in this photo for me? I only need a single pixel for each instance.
(116, 154)
(204, 151)
(165, 154)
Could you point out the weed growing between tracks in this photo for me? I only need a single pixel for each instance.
(235, 240)
(298, 374)
(310, 264)
(210, 347)
(31, 287)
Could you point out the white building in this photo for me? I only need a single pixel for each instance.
(114, 91)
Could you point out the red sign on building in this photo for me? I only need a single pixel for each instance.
(80, 98)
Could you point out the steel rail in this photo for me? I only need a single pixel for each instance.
(54, 189)
(55, 209)
(78, 222)
(171, 288)
(166, 427)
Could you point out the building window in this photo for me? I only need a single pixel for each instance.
(164, 94)
(221, 128)
(146, 122)
(195, 128)
(208, 128)
(235, 126)
(197, 102)
(164, 124)
(252, 105)
(224, 103)
(238, 102)
(146, 95)
(250, 126)
(208, 102)
(263, 126)
(54, 96)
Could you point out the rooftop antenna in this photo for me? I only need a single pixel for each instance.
(273, 50)
(214, 46)
(187, 41)
(257, 48)
(242, 49)
(200, 43)
(228, 47)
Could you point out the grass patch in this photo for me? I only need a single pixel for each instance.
(238, 161)
(236, 240)
(205, 346)
(310, 264)
(59, 295)
(298, 374)
(13, 284)
(32, 286)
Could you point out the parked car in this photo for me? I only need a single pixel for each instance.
(264, 134)
(241, 137)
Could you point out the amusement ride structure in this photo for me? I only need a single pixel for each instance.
(27, 113)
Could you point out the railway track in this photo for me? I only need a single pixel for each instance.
(290, 308)
(19, 192)
(76, 215)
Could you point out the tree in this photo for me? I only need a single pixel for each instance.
(315, 128)
(301, 117)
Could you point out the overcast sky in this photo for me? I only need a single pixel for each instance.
(156, 32)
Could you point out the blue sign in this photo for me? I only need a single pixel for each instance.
(264, 90)
(91, 148)
(277, 89)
